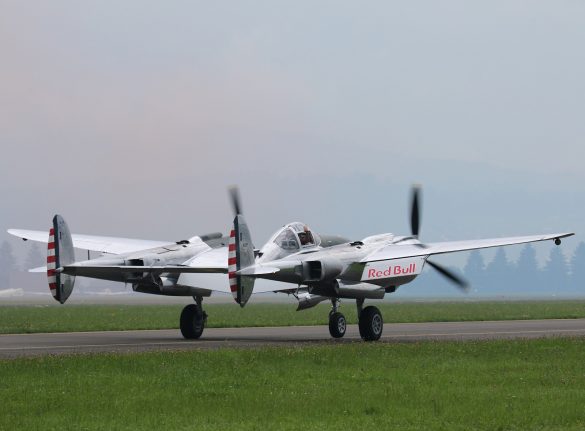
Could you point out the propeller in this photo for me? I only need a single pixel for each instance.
(235, 199)
(415, 211)
(460, 282)
(415, 217)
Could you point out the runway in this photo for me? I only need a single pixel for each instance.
(19, 345)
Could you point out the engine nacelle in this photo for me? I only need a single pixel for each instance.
(321, 270)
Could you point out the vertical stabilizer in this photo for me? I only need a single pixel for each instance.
(60, 253)
(240, 256)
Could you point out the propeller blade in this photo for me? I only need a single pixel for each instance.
(460, 282)
(415, 211)
(235, 199)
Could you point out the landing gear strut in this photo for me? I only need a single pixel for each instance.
(337, 323)
(193, 319)
(370, 320)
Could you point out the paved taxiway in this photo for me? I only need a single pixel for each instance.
(18, 345)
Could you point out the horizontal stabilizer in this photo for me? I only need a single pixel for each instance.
(257, 270)
(38, 269)
(94, 270)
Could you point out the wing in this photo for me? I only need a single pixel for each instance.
(103, 244)
(212, 261)
(410, 250)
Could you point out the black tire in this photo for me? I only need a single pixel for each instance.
(371, 324)
(337, 325)
(192, 322)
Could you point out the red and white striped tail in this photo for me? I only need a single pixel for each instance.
(51, 263)
(240, 256)
(232, 264)
(60, 254)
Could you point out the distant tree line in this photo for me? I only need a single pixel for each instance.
(8, 264)
(502, 277)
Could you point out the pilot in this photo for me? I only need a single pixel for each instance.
(306, 237)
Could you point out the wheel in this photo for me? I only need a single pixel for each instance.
(337, 325)
(192, 322)
(371, 324)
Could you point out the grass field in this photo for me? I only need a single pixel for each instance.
(56, 318)
(495, 385)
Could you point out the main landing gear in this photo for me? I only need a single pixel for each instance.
(370, 319)
(193, 319)
(371, 323)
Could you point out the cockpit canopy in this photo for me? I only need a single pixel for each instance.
(296, 235)
(290, 239)
(287, 240)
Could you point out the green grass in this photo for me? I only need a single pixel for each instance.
(495, 385)
(29, 319)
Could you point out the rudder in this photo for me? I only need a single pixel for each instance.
(60, 253)
(241, 255)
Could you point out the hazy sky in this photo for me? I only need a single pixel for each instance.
(131, 118)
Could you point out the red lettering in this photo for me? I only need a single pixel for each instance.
(396, 270)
